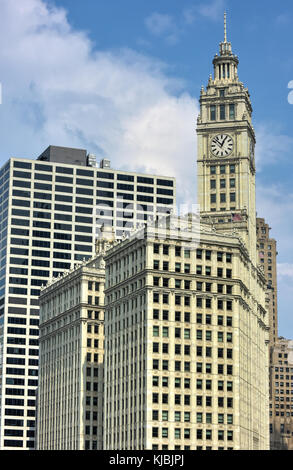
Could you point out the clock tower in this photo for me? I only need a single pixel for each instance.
(226, 142)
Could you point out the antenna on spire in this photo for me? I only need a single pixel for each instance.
(225, 27)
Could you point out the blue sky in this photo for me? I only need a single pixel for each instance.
(122, 79)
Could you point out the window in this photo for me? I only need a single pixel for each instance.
(165, 315)
(231, 111)
(213, 112)
(177, 251)
(177, 399)
(187, 268)
(165, 381)
(232, 182)
(199, 334)
(186, 333)
(164, 432)
(165, 249)
(165, 398)
(156, 264)
(177, 382)
(208, 336)
(220, 435)
(229, 419)
(165, 332)
(165, 299)
(155, 415)
(222, 112)
(155, 347)
(156, 330)
(229, 337)
(155, 432)
(165, 365)
(165, 266)
(208, 434)
(177, 433)
(199, 433)
(177, 416)
(222, 183)
(230, 435)
(199, 318)
(155, 381)
(220, 385)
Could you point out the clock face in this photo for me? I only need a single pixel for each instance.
(222, 145)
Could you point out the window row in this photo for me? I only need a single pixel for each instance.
(222, 169)
(222, 197)
(187, 285)
(186, 434)
(186, 382)
(187, 253)
(222, 184)
(186, 301)
(178, 399)
(222, 112)
(200, 352)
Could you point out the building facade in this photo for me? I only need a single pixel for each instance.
(51, 211)
(70, 392)
(281, 395)
(186, 348)
(186, 354)
(267, 252)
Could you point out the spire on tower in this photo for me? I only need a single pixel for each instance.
(225, 64)
(225, 46)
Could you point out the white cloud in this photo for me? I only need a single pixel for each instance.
(285, 270)
(283, 19)
(121, 105)
(158, 23)
(276, 205)
(272, 145)
(213, 10)
(290, 95)
(163, 25)
(189, 15)
(171, 29)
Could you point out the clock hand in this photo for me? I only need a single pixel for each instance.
(224, 140)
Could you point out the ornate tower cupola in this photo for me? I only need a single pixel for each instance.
(225, 64)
